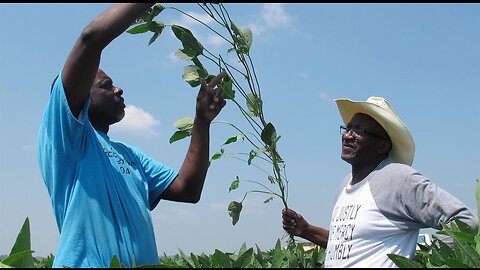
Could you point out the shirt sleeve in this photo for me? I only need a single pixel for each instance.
(411, 200)
(158, 177)
(61, 130)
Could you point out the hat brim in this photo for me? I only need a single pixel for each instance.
(403, 147)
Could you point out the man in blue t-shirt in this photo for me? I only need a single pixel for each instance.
(102, 191)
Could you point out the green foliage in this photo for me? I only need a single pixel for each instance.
(21, 253)
(240, 78)
(292, 256)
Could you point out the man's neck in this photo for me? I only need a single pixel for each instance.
(359, 172)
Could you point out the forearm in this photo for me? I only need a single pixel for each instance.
(194, 169)
(316, 235)
(83, 61)
(112, 22)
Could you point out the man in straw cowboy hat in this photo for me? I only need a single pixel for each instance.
(383, 202)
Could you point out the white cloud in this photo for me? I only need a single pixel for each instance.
(304, 75)
(273, 16)
(137, 121)
(324, 96)
(215, 43)
(188, 22)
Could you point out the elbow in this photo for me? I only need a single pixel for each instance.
(195, 198)
(90, 38)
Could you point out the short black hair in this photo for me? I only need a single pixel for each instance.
(51, 87)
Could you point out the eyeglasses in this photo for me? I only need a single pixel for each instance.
(358, 131)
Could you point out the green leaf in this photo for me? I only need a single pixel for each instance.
(477, 196)
(269, 134)
(115, 263)
(243, 249)
(22, 243)
(243, 38)
(202, 72)
(279, 256)
(251, 155)
(192, 75)
(153, 38)
(234, 184)
(139, 29)
(234, 139)
(148, 15)
(179, 53)
(260, 258)
(191, 46)
(157, 28)
(178, 135)
(254, 104)
(218, 155)
(195, 260)
(186, 259)
(4, 265)
(403, 262)
(227, 88)
(22, 259)
(245, 259)
(205, 261)
(184, 124)
(234, 209)
(153, 12)
(21, 253)
(221, 260)
(269, 199)
(453, 263)
(271, 179)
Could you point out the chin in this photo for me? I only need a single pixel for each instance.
(347, 158)
(118, 118)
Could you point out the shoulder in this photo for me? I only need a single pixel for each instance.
(397, 177)
(397, 170)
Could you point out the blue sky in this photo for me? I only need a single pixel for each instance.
(423, 58)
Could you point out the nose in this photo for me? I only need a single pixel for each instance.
(118, 91)
(348, 134)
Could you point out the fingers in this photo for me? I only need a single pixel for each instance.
(216, 92)
(217, 79)
(289, 220)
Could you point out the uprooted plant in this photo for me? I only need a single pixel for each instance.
(240, 86)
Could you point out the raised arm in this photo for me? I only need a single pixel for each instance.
(83, 61)
(188, 185)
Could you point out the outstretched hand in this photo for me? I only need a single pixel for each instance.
(209, 99)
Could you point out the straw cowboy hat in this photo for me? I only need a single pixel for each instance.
(403, 147)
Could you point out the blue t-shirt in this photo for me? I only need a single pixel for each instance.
(101, 191)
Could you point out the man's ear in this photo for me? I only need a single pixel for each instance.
(385, 147)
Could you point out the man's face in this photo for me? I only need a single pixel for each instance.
(362, 143)
(106, 102)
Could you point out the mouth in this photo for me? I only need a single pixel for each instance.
(348, 147)
(121, 103)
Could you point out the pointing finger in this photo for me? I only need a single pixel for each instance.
(217, 79)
